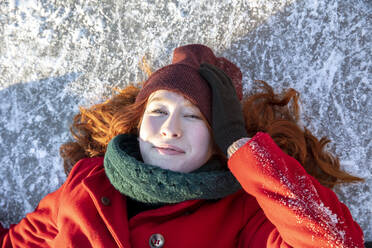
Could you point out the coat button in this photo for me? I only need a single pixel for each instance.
(105, 201)
(156, 240)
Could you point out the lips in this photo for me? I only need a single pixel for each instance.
(169, 150)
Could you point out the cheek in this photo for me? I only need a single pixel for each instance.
(201, 139)
(147, 128)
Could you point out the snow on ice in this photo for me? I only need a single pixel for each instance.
(57, 55)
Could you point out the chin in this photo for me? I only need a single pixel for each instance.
(166, 166)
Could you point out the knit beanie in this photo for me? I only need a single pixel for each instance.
(182, 77)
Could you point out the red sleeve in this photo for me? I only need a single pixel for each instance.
(3, 231)
(38, 228)
(303, 212)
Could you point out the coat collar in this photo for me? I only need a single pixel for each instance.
(111, 206)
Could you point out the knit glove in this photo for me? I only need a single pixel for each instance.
(227, 115)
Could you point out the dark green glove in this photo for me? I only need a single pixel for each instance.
(227, 115)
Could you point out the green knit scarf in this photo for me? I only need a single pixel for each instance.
(152, 184)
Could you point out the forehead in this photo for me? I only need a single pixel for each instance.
(167, 96)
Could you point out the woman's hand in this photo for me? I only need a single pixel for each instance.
(227, 115)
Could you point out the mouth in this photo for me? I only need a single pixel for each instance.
(168, 150)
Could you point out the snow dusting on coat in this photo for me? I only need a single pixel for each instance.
(279, 180)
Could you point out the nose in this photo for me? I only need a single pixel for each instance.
(171, 128)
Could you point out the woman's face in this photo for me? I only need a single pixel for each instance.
(173, 134)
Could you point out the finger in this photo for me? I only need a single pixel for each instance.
(210, 76)
(221, 74)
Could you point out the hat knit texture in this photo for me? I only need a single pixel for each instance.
(182, 77)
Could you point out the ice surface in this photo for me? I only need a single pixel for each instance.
(54, 56)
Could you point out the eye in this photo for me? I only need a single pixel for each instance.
(193, 116)
(158, 111)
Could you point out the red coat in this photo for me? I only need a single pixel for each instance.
(282, 206)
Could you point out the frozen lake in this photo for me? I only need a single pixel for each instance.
(56, 56)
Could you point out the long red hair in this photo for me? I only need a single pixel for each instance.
(275, 114)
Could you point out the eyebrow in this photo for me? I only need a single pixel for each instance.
(160, 99)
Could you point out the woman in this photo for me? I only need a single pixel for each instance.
(179, 163)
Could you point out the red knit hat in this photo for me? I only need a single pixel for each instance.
(182, 76)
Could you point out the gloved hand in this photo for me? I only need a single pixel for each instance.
(227, 115)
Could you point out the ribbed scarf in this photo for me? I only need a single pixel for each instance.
(151, 184)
